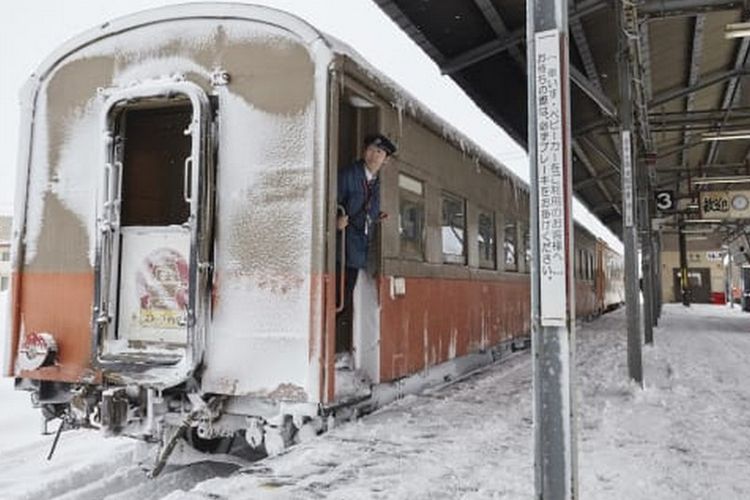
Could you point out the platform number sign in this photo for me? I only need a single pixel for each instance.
(664, 200)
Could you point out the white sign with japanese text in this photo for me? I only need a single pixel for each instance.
(550, 178)
(627, 178)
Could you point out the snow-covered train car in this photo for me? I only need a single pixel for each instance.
(175, 242)
(172, 197)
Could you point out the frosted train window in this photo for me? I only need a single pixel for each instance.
(410, 184)
(486, 240)
(511, 260)
(411, 217)
(453, 229)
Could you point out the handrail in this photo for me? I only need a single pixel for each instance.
(340, 211)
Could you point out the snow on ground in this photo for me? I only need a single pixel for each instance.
(686, 435)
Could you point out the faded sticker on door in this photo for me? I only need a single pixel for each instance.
(162, 285)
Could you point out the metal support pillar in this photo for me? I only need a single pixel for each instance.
(646, 260)
(730, 288)
(552, 290)
(629, 226)
(656, 268)
(684, 281)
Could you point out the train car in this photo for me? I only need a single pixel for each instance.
(599, 285)
(174, 252)
(610, 278)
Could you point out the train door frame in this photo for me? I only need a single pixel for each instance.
(198, 192)
(364, 348)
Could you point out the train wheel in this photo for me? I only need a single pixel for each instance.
(211, 445)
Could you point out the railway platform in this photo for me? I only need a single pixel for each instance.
(685, 435)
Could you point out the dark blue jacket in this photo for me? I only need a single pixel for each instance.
(361, 200)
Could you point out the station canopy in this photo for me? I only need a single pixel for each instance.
(689, 64)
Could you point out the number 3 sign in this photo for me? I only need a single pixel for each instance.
(664, 200)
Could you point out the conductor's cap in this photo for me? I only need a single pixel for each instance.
(382, 142)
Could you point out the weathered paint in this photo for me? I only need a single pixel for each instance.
(60, 304)
(63, 242)
(441, 318)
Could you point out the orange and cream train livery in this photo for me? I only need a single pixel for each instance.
(174, 253)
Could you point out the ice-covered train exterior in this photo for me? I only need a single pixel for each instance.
(174, 253)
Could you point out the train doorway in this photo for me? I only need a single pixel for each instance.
(155, 237)
(154, 247)
(358, 322)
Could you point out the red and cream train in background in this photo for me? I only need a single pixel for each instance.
(174, 247)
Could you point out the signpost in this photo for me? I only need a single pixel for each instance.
(552, 317)
(664, 200)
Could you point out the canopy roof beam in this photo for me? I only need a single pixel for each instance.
(513, 38)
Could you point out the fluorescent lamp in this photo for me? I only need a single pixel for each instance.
(737, 30)
(730, 135)
(737, 179)
(702, 221)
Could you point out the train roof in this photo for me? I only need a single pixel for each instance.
(399, 97)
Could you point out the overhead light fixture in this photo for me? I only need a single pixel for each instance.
(737, 30)
(730, 135)
(736, 179)
(702, 221)
(696, 238)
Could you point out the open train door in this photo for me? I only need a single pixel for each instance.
(355, 368)
(153, 253)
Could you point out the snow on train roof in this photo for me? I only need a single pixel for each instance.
(404, 101)
(306, 31)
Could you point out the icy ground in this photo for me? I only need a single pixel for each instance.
(685, 436)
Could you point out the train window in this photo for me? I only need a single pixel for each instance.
(411, 217)
(511, 261)
(453, 229)
(486, 240)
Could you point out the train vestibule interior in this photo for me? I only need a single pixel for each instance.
(357, 324)
(150, 258)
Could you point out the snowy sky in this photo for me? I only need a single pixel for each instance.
(32, 29)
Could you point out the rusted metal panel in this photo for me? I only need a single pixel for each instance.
(440, 319)
(59, 304)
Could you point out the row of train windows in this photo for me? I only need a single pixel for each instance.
(586, 266)
(453, 230)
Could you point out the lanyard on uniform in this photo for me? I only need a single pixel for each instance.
(366, 206)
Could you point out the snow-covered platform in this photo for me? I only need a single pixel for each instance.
(686, 435)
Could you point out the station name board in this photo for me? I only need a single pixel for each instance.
(725, 204)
